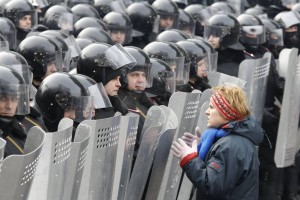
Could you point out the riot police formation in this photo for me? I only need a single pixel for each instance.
(132, 66)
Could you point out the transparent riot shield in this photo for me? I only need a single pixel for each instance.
(124, 155)
(2, 148)
(98, 173)
(145, 156)
(217, 78)
(287, 143)
(48, 182)
(75, 163)
(162, 153)
(256, 72)
(205, 97)
(186, 108)
(18, 171)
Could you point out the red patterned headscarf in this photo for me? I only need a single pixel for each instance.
(224, 108)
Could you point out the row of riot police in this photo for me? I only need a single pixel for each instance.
(61, 60)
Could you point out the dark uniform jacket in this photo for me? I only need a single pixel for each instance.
(231, 168)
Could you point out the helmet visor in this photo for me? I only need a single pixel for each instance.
(65, 22)
(119, 57)
(16, 99)
(216, 31)
(253, 35)
(178, 67)
(168, 77)
(4, 46)
(73, 46)
(101, 99)
(49, 60)
(275, 37)
(78, 108)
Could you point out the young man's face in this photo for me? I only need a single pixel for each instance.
(118, 36)
(112, 87)
(8, 105)
(25, 22)
(137, 80)
(166, 22)
(202, 68)
(214, 41)
(51, 68)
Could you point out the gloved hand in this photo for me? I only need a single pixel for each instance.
(180, 149)
(189, 138)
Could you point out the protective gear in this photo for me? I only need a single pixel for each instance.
(143, 63)
(83, 42)
(9, 32)
(252, 30)
(54, 99)
(274, 34)
(164, 84)
(186, 22)
(39, 53)
(15, 10)
(119, 22)
(224, 26)
(59, 17)
(223, 7)
(71, 3)
(86, 22)
(144, 19)
(96, 34)
(169, 53)
(166, 10)
(92, 63)
(84, 10)
(13, 88)
(197, 11)
(4, 46)
(172, 35)
(105, 6)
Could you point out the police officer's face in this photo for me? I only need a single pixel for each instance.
(215, 119)
(8, 105)
(70, 114)
(112, 87)
(202, 68)
(25, 22)
(136, 81)
(214, 41)
(118, 36)
(166, 22)
(291, 29)
(51, 68)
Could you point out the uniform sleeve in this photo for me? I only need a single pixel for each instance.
(219, 174)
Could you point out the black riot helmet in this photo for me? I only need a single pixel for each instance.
(105, 6)
(60, 93)
(198, 56)
(200, 15)
(83, 42)
(119, 25)
(274, 33)
(93, 63)
(172, 35)
(71, 3)
(15, 10)
(13, 85)
(252, 30)
(9, 32)
(144, 19)
(186, 22)
(224, 26)
(167, 10)
(4, 46)
(169, 53)
(223, 7)
(142, 63)
(164, 83)
(84, 10)
(59, 17)
(18, 63)
(87, 22)
(40, 52)
(96, 34)
(268, 3)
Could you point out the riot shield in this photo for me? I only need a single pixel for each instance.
(287, 138)
(2, 149)
(144, 159)
(162, 153)
(217, 78)
(205, 97)
(255, 72)
(17, 171)
(125, 155)
(186, 108)
(48, 182)
(98, 173)
(75, 163)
